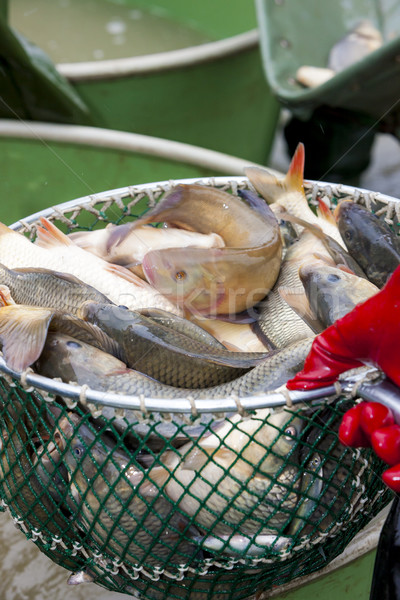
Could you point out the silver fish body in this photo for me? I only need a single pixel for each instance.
(123, 509)
(243, 478)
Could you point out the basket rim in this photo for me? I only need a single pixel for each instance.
(273, 399)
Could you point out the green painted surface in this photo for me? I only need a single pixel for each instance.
(222, 105)
(351, 582)
(302, 33)
(39, 174)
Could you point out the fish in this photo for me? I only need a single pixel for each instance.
(369, 240)
(24, 329)
(330, 491)
(310, 494)
(332, 292)
(166, 354)
(277, 322)
(241, 478)
(288, 194)
(75, 361)
(232, 545)
(181, 325)
(217, 280)
(127, 244)
(61, 255)
(125, 512)
(338, 254)
(48, 289)
(311, 76)
(356, 45)
(236, 337)
(368, 334)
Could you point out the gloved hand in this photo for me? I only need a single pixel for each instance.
(372, 424)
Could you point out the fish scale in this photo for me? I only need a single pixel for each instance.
(63, 256)
(121, 508)
(278, 321)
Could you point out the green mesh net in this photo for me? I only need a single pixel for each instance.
(245, 503)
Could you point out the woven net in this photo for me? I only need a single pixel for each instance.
(248, 502)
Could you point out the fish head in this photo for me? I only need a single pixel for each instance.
(114, 317)
(353, 220)
(274, 439)
(332, 292)
(191, 278)
(73, 360)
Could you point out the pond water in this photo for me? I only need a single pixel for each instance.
(27, 574)
(90, 30)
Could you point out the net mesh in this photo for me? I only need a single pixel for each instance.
(247, 503)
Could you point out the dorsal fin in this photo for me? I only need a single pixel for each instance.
(294, 179)
(49, 235)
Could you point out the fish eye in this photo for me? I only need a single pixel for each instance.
(333, 277)
(348, 235)
(316, 461)
(180, 275)
(78, 451)
(290, 432)
(73, 344)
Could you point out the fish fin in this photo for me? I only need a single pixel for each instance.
(5, 296)
(117, 235)
(23, 332)
(270, 187)
(326, 259)
(256, 329)
(195, 459)
(294, 177)
(298, 302)
(315, 229)
(49, 235)
(80, 577)
(258, 204)
(325, 212)
(154, 481)
(5, 230)
(243, 318)
(161, 211)
(126, 274)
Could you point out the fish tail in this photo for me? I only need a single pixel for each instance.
(294, 177)
(49, 235)
(273, 189)
(23, 331)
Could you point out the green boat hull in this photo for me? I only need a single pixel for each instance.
(213, 95)
(45, 164)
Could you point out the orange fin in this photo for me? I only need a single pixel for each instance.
(325, 212)
(294, 177)
(50, 236)
(5, 296)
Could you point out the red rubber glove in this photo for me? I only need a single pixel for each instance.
(371, 423)
(370, 333)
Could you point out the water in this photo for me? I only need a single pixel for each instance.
(90, 30)
(27, 574)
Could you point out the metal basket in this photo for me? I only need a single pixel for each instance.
(247, 533)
